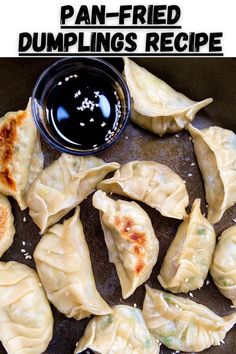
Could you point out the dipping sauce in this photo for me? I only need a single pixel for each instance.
(84, 110)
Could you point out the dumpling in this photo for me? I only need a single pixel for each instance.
(215, 149)
(18, 136)
(130, 239)
(64, 267)
(63, 185)
(223, 267)
(124, 331)
(189, 256)
(156, 106)
(26, 321)
(182, 324)
(151, 183)
(37, 162)
(7, 230)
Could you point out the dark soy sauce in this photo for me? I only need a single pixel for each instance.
(84, 110)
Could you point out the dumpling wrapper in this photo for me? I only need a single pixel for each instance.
(19, 143)
(26, 321)
(63, 185)
(130, 239)
(7, 229)
(37, 162)
(182, 324)
(124, 331)
(215, 149)
(64, 267)
(189, 256)
(223, 267)
(151, 183)
(156, 106)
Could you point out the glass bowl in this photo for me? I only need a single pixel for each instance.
(81, 105)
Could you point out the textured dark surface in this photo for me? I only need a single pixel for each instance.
(198, 79)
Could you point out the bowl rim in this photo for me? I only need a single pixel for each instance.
(53, 142)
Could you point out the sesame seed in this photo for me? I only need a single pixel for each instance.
(186, 280)
(177, 135)
(184, 181)
(234, 220)
(82, 124)
(126, 137)
(207, 282)
(95, 145)
(75, 75)
(135, 305)
(40, 284)
(91, 119)
(192, 164)
(23, 250)
(191, 294)
(23, 243)
(190, 174)
(67, 79)
(103, 124)
(24, 219)
(59, 83)
(232, 306)
(127, 229)
(222, 341)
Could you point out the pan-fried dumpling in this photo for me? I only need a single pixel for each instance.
(18, 136)
(151, 183)
(64, 267)
(26, 321)
(189, 256)
(63, 185)
(7, 230)
(124, 331)
(156, 106)
(182, 324)
(37, 162)
(223, 267)
(215, 149)
(130, 239)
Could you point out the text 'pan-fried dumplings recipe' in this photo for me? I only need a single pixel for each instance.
(189, 256)
(122, 331)
(130, 239)
(156, 106)
(26, 321)
(63, 185)
(21, 159)
(215, 149)
(63, 263)
(151, 183)
(7, 229)
(182, 324)
(223, 267)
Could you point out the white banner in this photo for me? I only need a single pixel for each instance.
(40, 28)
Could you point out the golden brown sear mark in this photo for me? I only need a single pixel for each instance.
(3, 220)
(8, 136)
(125, 226)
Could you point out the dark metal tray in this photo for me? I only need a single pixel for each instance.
(198, 79)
